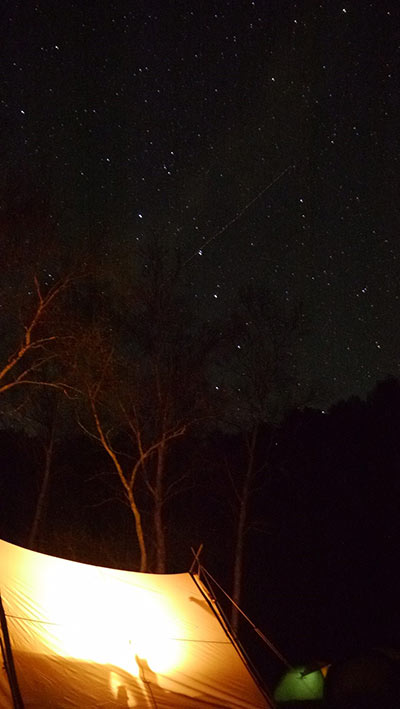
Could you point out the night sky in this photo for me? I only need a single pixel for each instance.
(259, 137)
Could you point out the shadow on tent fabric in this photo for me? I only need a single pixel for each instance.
(57, 683)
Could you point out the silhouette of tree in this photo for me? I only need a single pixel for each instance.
(257, 376)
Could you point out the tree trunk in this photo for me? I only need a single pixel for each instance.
(41, 502)
(126, 484)
(244, 499)
(161, 554)
(139, 530)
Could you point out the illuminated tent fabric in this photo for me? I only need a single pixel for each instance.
(86, 636)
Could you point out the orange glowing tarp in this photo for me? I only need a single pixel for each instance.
(85, 636)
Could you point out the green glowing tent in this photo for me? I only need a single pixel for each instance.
(301, 684)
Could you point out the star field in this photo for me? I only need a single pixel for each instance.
(259, 137)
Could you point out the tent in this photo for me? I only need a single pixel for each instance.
(368, 680)
(300, 684)
(87, 636)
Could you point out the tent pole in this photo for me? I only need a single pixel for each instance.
(9, 660)
(196, 559)
(250, 622)
(209, 596)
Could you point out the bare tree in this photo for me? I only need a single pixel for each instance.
(146, 389)
(257, 377)
(48, 440)
(37, 330)
(171, 392)
(138, 463)
(119, 406)
(33, 345)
